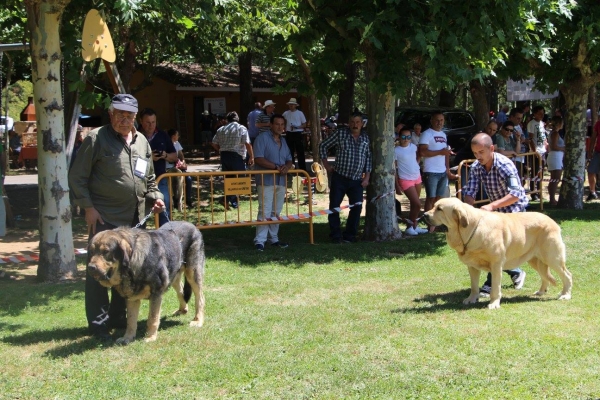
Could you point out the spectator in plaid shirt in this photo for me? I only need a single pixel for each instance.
(501, 181)
(232, 142)
(349, 175)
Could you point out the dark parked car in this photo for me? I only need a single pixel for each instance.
(459, 124)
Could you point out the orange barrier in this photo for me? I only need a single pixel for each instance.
(211, 209)
(529, 167)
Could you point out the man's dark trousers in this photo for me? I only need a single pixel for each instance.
(295, 142)
(340, 187)
(232, 161)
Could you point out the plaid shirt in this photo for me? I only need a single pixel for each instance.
(495, 182)
(232, 137)
(353, 157)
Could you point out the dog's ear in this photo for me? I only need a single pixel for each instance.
(126, 250)
(461, 218)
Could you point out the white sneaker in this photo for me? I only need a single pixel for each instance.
(421, 231)
(519, 281)
(410, 231)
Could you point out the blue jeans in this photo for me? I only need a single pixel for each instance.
(163, 186)
(435, 184)
(340, 187)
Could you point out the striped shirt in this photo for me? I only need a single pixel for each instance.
(261, 119)
(496, 182)
(232, 137)
(353, 156)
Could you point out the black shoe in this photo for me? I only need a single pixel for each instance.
(281, 245)
(349, 240)
(535, 197)
(592, 196)
(101, 334)
(234, 204)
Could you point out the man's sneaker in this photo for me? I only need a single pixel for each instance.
(421, 231)
(349, 240)
(281, 245)
(592, 196)
(260, 247)
(519, 280)
(410, 231)
(485, 291)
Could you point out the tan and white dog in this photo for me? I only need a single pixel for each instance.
(492, 242)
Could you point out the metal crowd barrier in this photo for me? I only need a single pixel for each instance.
(530, 168)
(211, 189)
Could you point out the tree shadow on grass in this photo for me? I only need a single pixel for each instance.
(453, 301)
(79, 338)
(236, 245)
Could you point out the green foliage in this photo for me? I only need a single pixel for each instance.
(18, 94)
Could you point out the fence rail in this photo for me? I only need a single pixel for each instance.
(211, 209)
(530, 168)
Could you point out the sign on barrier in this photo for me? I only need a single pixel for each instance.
(238, 186)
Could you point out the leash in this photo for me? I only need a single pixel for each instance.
(470, 236)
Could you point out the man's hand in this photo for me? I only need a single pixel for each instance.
(365, 182)
(283, 169)
(158, 155)
(91, 217)
(159, 206)
(487, 207)
(251, 161)
(446, 152)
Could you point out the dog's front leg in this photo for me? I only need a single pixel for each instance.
(153, 318)
(474, 296)
(496, 293)
(133, 310)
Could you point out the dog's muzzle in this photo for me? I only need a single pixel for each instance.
(96, 273)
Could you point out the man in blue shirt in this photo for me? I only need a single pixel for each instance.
(349, 175)
(163, 151)
(252, 116)
(503, 186)
(271, 153)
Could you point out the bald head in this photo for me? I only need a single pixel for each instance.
(482, 139)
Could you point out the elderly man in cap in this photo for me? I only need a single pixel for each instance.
(111, 178)
(295, 122)
(263, 121)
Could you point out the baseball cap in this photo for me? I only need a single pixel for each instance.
(125, 102)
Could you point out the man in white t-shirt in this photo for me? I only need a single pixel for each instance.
(433, 147)
(536, 129)
(295, 122)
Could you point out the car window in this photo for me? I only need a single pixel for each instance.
(411, 117)
(458, 120)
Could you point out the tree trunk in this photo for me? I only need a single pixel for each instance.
(480, 104)
(447, 99)
(245, 71)
(346, 95)
(313, 105)
(571, 189)
(380, 219)
(57, 258)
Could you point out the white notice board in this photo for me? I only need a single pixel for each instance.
(216, 105)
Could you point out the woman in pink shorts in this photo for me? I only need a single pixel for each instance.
(409, 178)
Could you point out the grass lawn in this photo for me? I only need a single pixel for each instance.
(367, 320)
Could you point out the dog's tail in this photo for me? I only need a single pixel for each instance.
(187, 290)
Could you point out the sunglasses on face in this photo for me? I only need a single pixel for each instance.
(405, 137)
(508, 130)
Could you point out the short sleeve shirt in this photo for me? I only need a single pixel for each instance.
(435, 141)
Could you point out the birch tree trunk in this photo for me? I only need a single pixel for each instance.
(57, 258)
(571, 189)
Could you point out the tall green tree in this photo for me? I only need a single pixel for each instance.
(450, 42)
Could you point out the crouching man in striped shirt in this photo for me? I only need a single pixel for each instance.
(349, 175)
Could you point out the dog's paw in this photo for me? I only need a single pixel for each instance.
(540, 293)
(151, 338)
(181, 311)
(124, 341)
(197, 323)
(471, 299)
(564, 296)
(494, 305)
